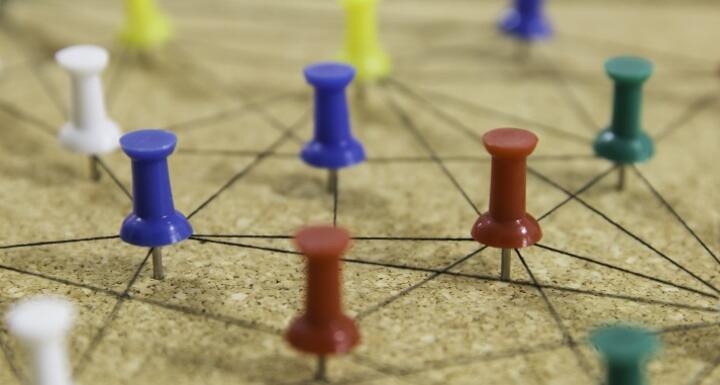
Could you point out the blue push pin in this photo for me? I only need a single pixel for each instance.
(333, 146)
(154, 221)
(526, 21)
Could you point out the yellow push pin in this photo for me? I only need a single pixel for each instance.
(362, 48)
(146, 25)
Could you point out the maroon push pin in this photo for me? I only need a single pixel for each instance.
(506, 225)
(323, 329)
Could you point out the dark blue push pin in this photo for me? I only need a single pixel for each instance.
(526, 21)
(333, 146)
(154, 221)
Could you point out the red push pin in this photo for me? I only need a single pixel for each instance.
(323, 329)
(506, 225)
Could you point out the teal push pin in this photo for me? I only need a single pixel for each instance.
(625, 142)
(626, 350)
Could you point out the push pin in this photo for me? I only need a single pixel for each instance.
(146, 26)
(526, 21)
(43, 324)
(624, 141)
(323, 329)
(506, 225)
(625, 350)
(89, 130)
(362, 46)
(333, 146)
(154, 221)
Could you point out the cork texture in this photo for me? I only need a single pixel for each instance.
(428, 299)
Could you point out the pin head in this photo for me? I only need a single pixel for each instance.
(148, 144)
(629, 69)
(329, 75)
(41, 318)
(526, 21)
(83, 59)
(510, 142)
(623, 344)
(322, 242)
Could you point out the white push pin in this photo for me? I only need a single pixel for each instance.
(89, 131)
(42, 323)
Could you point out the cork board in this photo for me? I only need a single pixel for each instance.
(427, 298)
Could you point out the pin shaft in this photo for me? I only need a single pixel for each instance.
(158, 272)
(321, 370)
(505, 258)
(94, 169)
(332, 181)
(621, 178)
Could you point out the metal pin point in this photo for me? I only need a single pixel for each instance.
(505, 258)
(621, 178)
(332, 181)
(94, 169)
(321, 370)
(157, 263)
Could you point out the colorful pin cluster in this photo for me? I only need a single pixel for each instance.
(323, 329)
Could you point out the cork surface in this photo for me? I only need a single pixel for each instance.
(427, 298)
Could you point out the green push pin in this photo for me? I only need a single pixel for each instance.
(626, 350)
(146, 26)
(625, 142)
(362, 45)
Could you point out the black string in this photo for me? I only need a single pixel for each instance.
(572, 196)
(97, 338)
(471, 276)
(589, 41)
(50, 91)
(674, 213)
(244, 245)
(58, 242)
(250, 166)
(27, 118)
(626, 271)
(251, 325)
(356, 238)
(10, 359)
(387, 159)
(433, 365)
(114, 178)
(575, 104)
(624, 230)
(258, 236)
(252, 106)
(410, 125)
(363, 314)
(697, 106)
(556, 316)
(688, 327)
(454, 122)
(59, 280)
(226, 152)
(257, 106)
(705, 372)
(487, 110)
